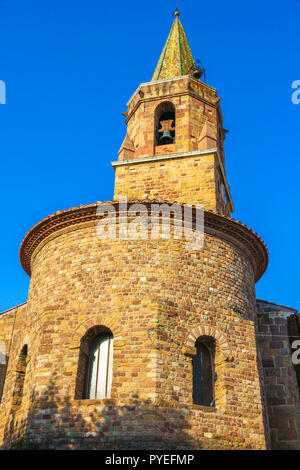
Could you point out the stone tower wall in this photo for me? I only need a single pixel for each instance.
(195, 105)
(191, 178)
(191, 170)
(281, 389)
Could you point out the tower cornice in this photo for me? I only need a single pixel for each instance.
(171, 80)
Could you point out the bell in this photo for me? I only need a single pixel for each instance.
(197, 74)
(166, 138)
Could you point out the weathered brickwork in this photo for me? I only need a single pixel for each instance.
(280, 386)
(7, 324)
(197, 178)
(191, 179)
(170, 293)
(196, 104)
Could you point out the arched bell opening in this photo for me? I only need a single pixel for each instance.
(165, 124)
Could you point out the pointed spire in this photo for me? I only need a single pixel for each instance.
(176, 58)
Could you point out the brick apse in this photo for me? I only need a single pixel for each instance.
(154, 300)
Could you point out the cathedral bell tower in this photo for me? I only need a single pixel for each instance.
(174, 146)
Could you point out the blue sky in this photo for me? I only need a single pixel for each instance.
(71, 66)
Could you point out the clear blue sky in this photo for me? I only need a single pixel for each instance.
(71, 66)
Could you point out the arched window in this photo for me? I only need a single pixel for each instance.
(95, 364)
(100, 367)
(203, 372)
(20, 379)
(165, 124)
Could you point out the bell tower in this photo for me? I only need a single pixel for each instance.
(174, 146)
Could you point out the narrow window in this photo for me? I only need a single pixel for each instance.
(224, 193)
(203, 373)
(20, 379)
(3, 362)
(100, 367)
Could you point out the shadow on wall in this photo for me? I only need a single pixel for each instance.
(64, 423)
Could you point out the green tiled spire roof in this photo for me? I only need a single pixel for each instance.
(176, 58)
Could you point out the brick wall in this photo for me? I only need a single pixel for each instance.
(190, 180)
(7, 322)
(199, 127)
(156, 297)
(195, 104)
(279, 374)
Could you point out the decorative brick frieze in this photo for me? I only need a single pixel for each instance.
(224, 227)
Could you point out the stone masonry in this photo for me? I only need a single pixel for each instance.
(154, 296)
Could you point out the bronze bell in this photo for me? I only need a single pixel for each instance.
(166, 138)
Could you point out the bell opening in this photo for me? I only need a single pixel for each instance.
(165, 124)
